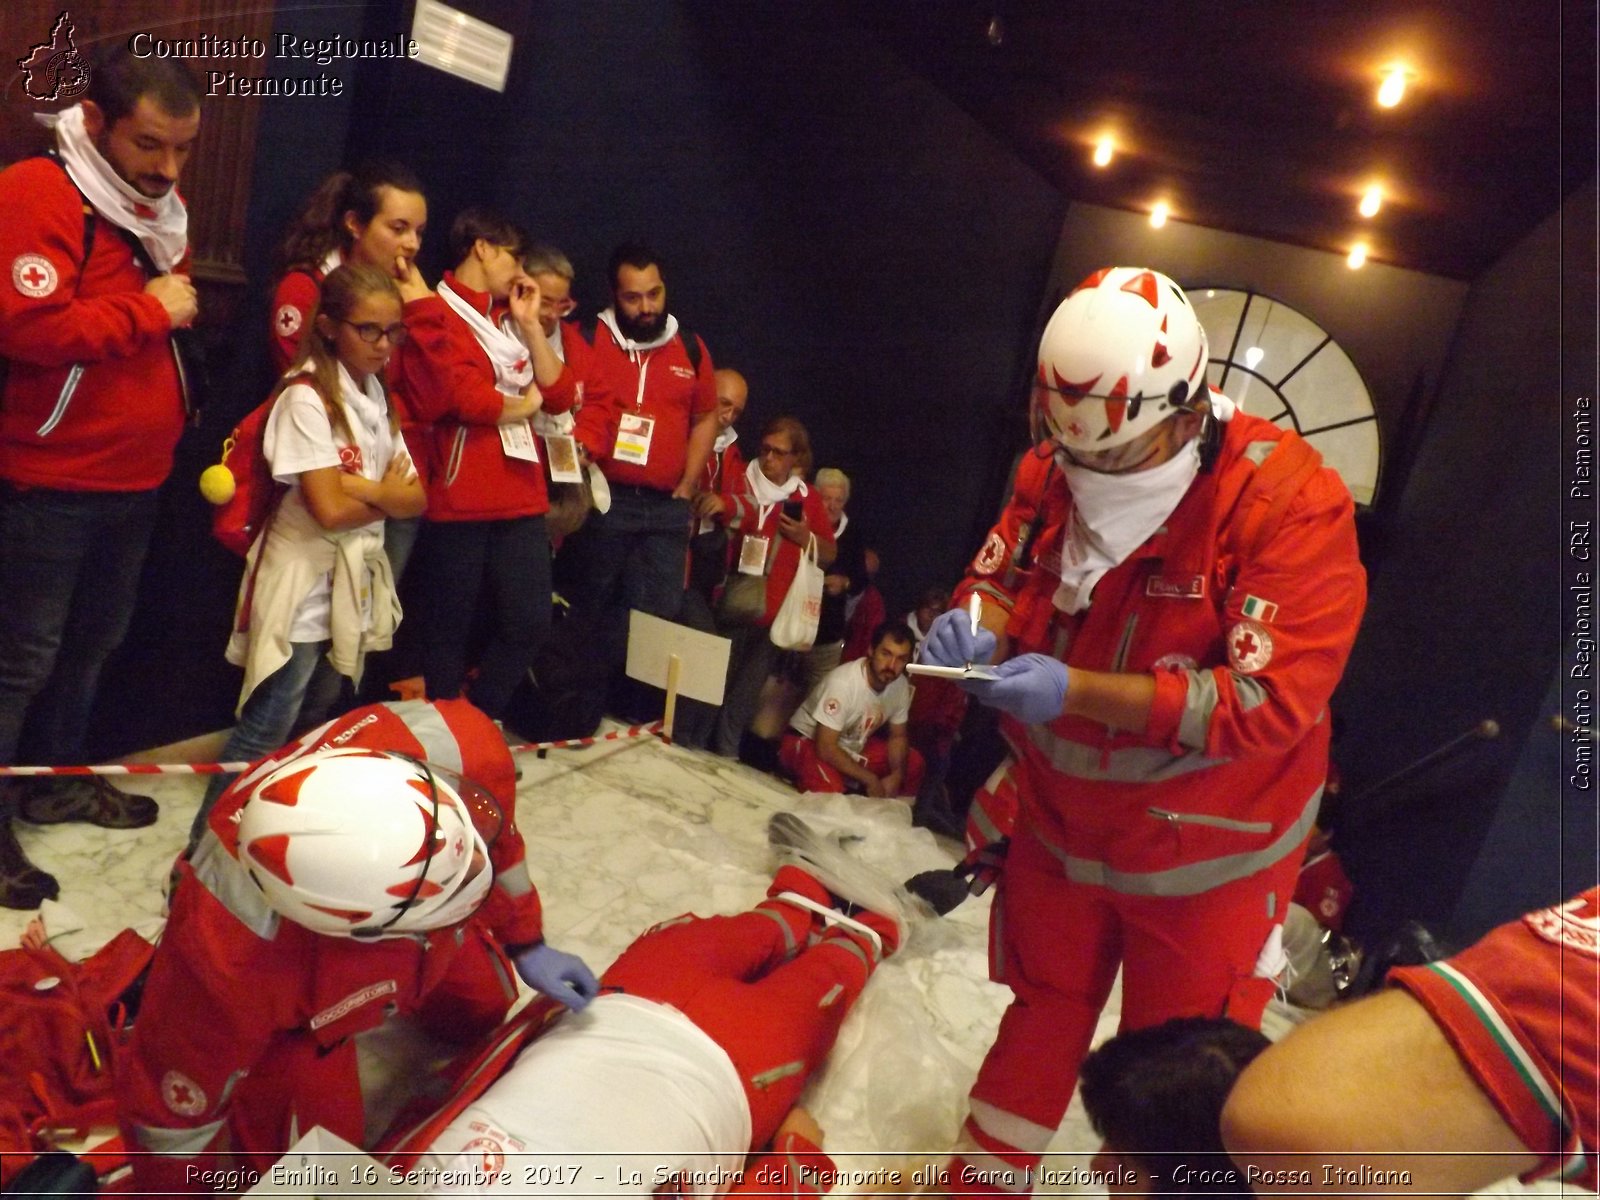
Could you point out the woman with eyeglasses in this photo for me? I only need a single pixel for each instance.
(771, 515)
(317, 581)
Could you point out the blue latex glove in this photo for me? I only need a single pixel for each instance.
(1032, 688)
(950, 642)
(561, 976)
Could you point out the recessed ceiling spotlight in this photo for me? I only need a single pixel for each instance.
(1358, 256)
(1159, 214)
(1371, 201)
(1393, 86)
(1253, 357)
(1103, 149)
(996, 31)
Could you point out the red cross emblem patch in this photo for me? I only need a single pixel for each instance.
(1249, 647)
(182, 1094)
(287, 321)
(33, 275)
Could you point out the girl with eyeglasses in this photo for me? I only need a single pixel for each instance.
(317, 581)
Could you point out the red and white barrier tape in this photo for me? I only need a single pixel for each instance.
(233, 768)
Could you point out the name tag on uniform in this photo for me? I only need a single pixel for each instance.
(633, 439)
(516, 439)
(753, 554)
(562, 450)
(1182, 587)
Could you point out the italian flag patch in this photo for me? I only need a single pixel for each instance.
(1258, 609)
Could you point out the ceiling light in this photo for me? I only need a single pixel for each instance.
(1103, 150)
(1371, 201)
(1253, 357)
(1393, 87)
(1358, 256)
(1158, 214)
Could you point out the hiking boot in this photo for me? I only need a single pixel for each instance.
(52, 799)
(942, 890)
(22, 885)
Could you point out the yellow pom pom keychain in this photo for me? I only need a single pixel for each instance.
(216, 481)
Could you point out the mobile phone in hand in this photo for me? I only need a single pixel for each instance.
(794, 509)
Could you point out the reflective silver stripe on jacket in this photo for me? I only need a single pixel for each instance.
(1192, 878)
(427, 724)
(1200, 702)
(180, 1143)
(1130, 764)
(226, 878)
(1009, 1129)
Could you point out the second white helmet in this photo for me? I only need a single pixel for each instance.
(362, 843)
(1122, 353)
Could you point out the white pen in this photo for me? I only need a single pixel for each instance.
(975, 611)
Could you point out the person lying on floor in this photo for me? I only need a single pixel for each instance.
(695, 1052)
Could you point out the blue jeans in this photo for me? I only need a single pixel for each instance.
(69, 576)
(634, 556)
(265, 722)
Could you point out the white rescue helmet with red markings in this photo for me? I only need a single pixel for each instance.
(364, 843)
(1122, 353)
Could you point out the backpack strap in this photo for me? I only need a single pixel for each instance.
(89, 222)
(691, 346)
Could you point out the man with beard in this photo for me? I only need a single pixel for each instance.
(95, 245)
(831, 744)
(657, 421)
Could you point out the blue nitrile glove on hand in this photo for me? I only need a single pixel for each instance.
(950, 642)
(1032, 688)
(561, 976)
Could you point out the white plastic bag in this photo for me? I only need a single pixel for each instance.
(795, 626)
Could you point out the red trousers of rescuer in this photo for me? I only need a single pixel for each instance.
(798, 756)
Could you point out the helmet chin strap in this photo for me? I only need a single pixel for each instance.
(377, 931)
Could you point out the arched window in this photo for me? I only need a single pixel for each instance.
(1277, 363)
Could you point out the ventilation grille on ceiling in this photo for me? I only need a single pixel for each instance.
(461, 45)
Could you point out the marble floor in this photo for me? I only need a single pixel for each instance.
(628, 833)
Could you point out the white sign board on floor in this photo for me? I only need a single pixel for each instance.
(702, 657)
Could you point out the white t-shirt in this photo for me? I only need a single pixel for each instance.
(844, 701)
(298, 438)
(627, 1094)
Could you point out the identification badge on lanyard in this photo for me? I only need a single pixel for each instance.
(753, 554)
(516, 439)
(633, 439)
(562, 450)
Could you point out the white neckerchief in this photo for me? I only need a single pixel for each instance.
(838, 530)
(768, 494)
(513, 366)
(556, 345)
(164, 233)
(668, 332)
(331, 262)
(639, 352)
(1113, 515)
(725, 438)
(365, 406)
